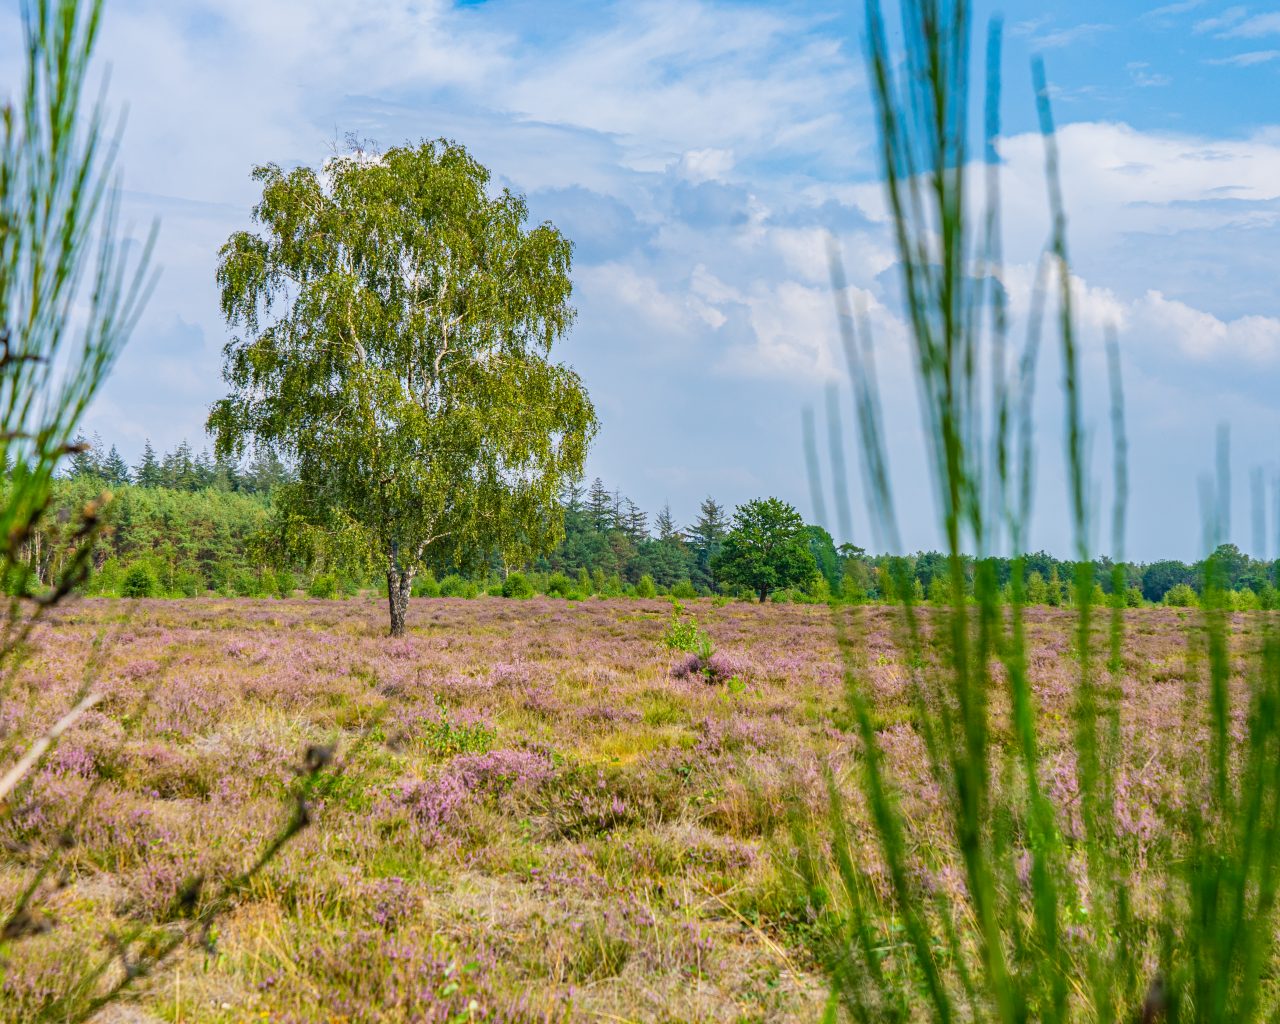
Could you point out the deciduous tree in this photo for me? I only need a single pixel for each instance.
(767, 548)
(397, 328)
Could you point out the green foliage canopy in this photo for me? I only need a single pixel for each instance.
(397, 325)
(767, 548)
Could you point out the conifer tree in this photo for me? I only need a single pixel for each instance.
(666, 526)
(114, 469)
(83, 463)
(147, 472)
(600, 509)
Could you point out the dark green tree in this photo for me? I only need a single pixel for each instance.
(83, 463)
(823, 549)
(147, 472)
(1159, 578)
(397, 329)
(114, 469)
(666, 526)
(265, 473)
(634, 521)
(767, 548)
(705, 537)
(600, 507)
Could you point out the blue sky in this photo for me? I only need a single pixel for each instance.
(699, 153)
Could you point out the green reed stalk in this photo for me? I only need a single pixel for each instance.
(1046, 926)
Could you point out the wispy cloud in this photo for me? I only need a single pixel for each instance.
(1063, 37)
(1245, 60)
(1225, 20)
(1144, 78)
(1169, 10)
(1253, 28)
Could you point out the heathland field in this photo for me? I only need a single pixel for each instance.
(536, 810)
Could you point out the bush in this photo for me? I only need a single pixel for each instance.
(425, 585)
(1244, 600)
(107, 581)
(495, 590)
(646, 588)
(348, 585)
(1181, 596)
(516, 585)
(559, 585)
(685, 635)
(454, 585)
(244, 583)
(585, 585)
(139, 581)
(684, 590)
(324, 586)
(285, 583)
(188, 583)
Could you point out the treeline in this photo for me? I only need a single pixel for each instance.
(186, 523)
(179, 470)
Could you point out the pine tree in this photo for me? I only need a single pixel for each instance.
(177, 469)
(115, 469)
(147, 471)
(633, 521)
(666, 525)
(600, 507)
(708, 533)
(571, 494)
(203, 471)
(265, 472)
(84, 460)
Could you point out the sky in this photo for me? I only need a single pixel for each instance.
(699, 154)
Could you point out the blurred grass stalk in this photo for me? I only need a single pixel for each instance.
(1046, 925)
(70, 293)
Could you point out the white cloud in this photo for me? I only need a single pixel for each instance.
(1229, 17)
(1203, 336)
(1252, 28)
(1144, 78)
(1245, 60)
(699, 165)
(1168, 10)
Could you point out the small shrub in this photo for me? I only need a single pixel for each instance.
(285, 583)
(454, 585)
(139, 581)
(426, 585)
(682, 634)
(517, 585)
(646, 588)
(244, 583)
(684, 590)
(107, 581)
(188, 583)
(323, 586)
(559, 585)
(1181, 596)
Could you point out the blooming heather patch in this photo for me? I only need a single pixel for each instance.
(554, 818)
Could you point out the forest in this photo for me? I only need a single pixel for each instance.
(186, 522)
